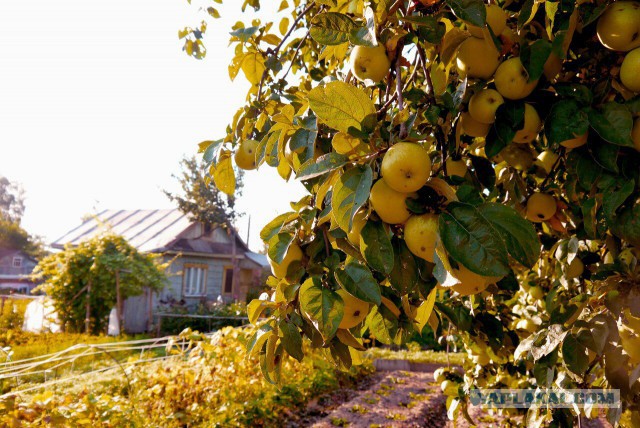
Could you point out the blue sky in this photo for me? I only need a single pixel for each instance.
(98, 104)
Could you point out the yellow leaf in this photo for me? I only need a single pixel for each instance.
(284, 170)
(223, 174)
(341, 105)
(450, 42)
(283, 5)
(253, 66)
(438, 78)
(272, 39)
(425, 309)
(234, 67)
(284, 26)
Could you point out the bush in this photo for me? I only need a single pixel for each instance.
(216, 386)
(12, 315)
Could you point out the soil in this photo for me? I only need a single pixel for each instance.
(399, 399)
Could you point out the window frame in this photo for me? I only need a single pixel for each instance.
(186, 288)
(19, 261)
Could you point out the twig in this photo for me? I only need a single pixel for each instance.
(326, 241)
(295, 54)
(403, 125)
(277, 49)
(552, 171)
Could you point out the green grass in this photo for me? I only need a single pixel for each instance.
(416, 356)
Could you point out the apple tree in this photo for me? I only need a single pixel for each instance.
(469, 166)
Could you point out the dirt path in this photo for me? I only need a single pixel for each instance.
(402, 399)
(397, 399)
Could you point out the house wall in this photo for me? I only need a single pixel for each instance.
(214, 280)
(16, 278)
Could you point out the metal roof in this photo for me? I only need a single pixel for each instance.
(147, 230)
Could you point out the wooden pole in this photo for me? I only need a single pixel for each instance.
(149, 309)
(87, 319)
(119, 313)
(234, 262)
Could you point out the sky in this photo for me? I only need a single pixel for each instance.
(98, 105)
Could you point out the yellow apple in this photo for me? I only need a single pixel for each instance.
(355, 310)
(472, 127)
(359, 220)
(456, 168)
(526, 325)
(389, 204)
(483, 105)
(420, 235)
(547, 159)
(496, 20)
(518, 156)
(618, 27)
(470, 282)
(477, 58)
(245, 155)
(406, 167)
(369, 63)
(531, 127)
(536, 292)
(578, 141)
(541, 207)
(512, 80)
(630, 69)
(294, 253)
(635, 134)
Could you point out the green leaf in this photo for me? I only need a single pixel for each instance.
(376, 248)
(340, 105)
(627, 226)
(322, 306)
(358, 281)
(566, 120)
(470, 239)
(518, 234)
(404, 274)
(509, 119)
(365, 35)
(350, 192)
(278, 246)
(528, 11)
(274, 226)
(322, 165)
(429, 28)
(382, 324)
(575, 355)
(472, 11)
(613, 123)
(291, 339)
(613, 198)
(533, 57)
(331, 28)
(255, 309)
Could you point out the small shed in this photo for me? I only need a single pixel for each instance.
(207, 264)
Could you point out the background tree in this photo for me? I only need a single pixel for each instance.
(472, 167)
(11, 200)
(200, 199)
(12, 235)
(86, 275)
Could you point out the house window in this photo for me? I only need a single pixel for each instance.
(17, 262)
(194, 280)
(227, 280)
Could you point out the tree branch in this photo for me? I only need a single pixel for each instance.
(275, 52)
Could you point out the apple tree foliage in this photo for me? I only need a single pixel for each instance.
(561, 290)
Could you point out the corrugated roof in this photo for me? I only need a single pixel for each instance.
(147, 230)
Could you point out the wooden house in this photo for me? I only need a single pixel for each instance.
(203, 259)
(15, 271)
